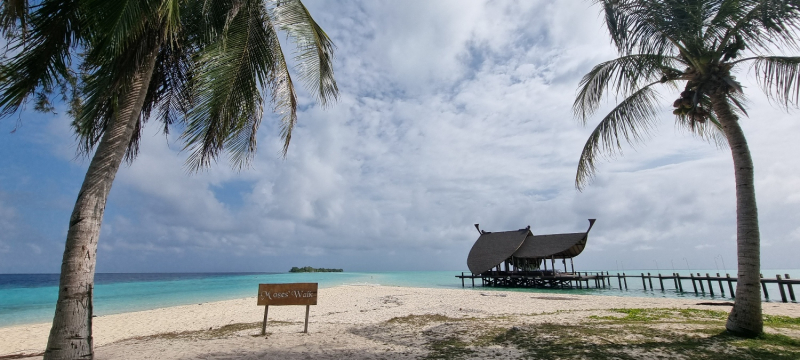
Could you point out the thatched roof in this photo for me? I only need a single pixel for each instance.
(555, 245)
(492, 248)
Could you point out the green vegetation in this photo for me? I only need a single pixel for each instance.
(306, 269)
(649, 315)
(448, 348)
(215, 333)
(627, 334)
(420, 320)
(781, 321)
(618, 334)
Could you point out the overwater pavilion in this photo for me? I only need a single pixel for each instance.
(520, 258)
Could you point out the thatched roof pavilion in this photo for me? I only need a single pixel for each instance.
(522, 247)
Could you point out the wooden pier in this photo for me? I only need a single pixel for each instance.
(700, 284)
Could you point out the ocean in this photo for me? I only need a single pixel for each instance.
(30, 298)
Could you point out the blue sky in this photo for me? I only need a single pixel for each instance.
(451, 113)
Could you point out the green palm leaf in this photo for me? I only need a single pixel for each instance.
(641, 26)
(14, 18)
(779, 77)
(315, 49)
(230, 73)
(624, 75)
(44, 60)
(284, 97)
(631, 120)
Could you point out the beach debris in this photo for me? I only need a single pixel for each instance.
(726, 303)
(553, 298)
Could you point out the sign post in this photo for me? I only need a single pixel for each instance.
(286, 294)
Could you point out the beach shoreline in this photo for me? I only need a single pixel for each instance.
(339, 308)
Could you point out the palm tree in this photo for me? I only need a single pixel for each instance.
(696, 44)
(204, 65)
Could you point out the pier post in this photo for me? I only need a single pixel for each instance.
(650, 280)
(679, 282)
(462, 279)
(675, 280)
(730, 285)
(710, 288)
(791, 291)
(763, 286)
(721, 289)
(780, 287)
(661, 281)
(643, 284)
(625, 279)
(700, 280)
(619, 280)
(691, 275)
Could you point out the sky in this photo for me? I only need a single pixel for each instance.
(451, 113)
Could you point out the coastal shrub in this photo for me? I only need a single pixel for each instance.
(650, 315)
(781, 321)
(448, 348)
(419, 320)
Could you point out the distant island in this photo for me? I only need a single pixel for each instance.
(305, 269)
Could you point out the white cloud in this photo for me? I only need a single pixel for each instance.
(451, 113)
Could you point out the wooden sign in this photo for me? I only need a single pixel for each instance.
(286, 294)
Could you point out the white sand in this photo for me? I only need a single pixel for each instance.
(336, 325)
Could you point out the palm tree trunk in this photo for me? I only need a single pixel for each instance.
(71, 334)
(745, 318)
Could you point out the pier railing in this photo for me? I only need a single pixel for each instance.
(700, 284)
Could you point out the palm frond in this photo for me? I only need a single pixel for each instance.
(117, 24)
(43, 59)
(14, 18)
(764, 23)
(623, 75)
(779, 78)
(314, 49)
(124, 35)
(170, 12)
(107, 78)
(630, 120)
(170, 92)
(739, 103)
(284, 97)
(645, 27)
(228, 105)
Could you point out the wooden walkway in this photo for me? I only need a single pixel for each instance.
(700, 284)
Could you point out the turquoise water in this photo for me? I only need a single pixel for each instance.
(31, 298)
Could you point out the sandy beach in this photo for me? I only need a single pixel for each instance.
(362, 322)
